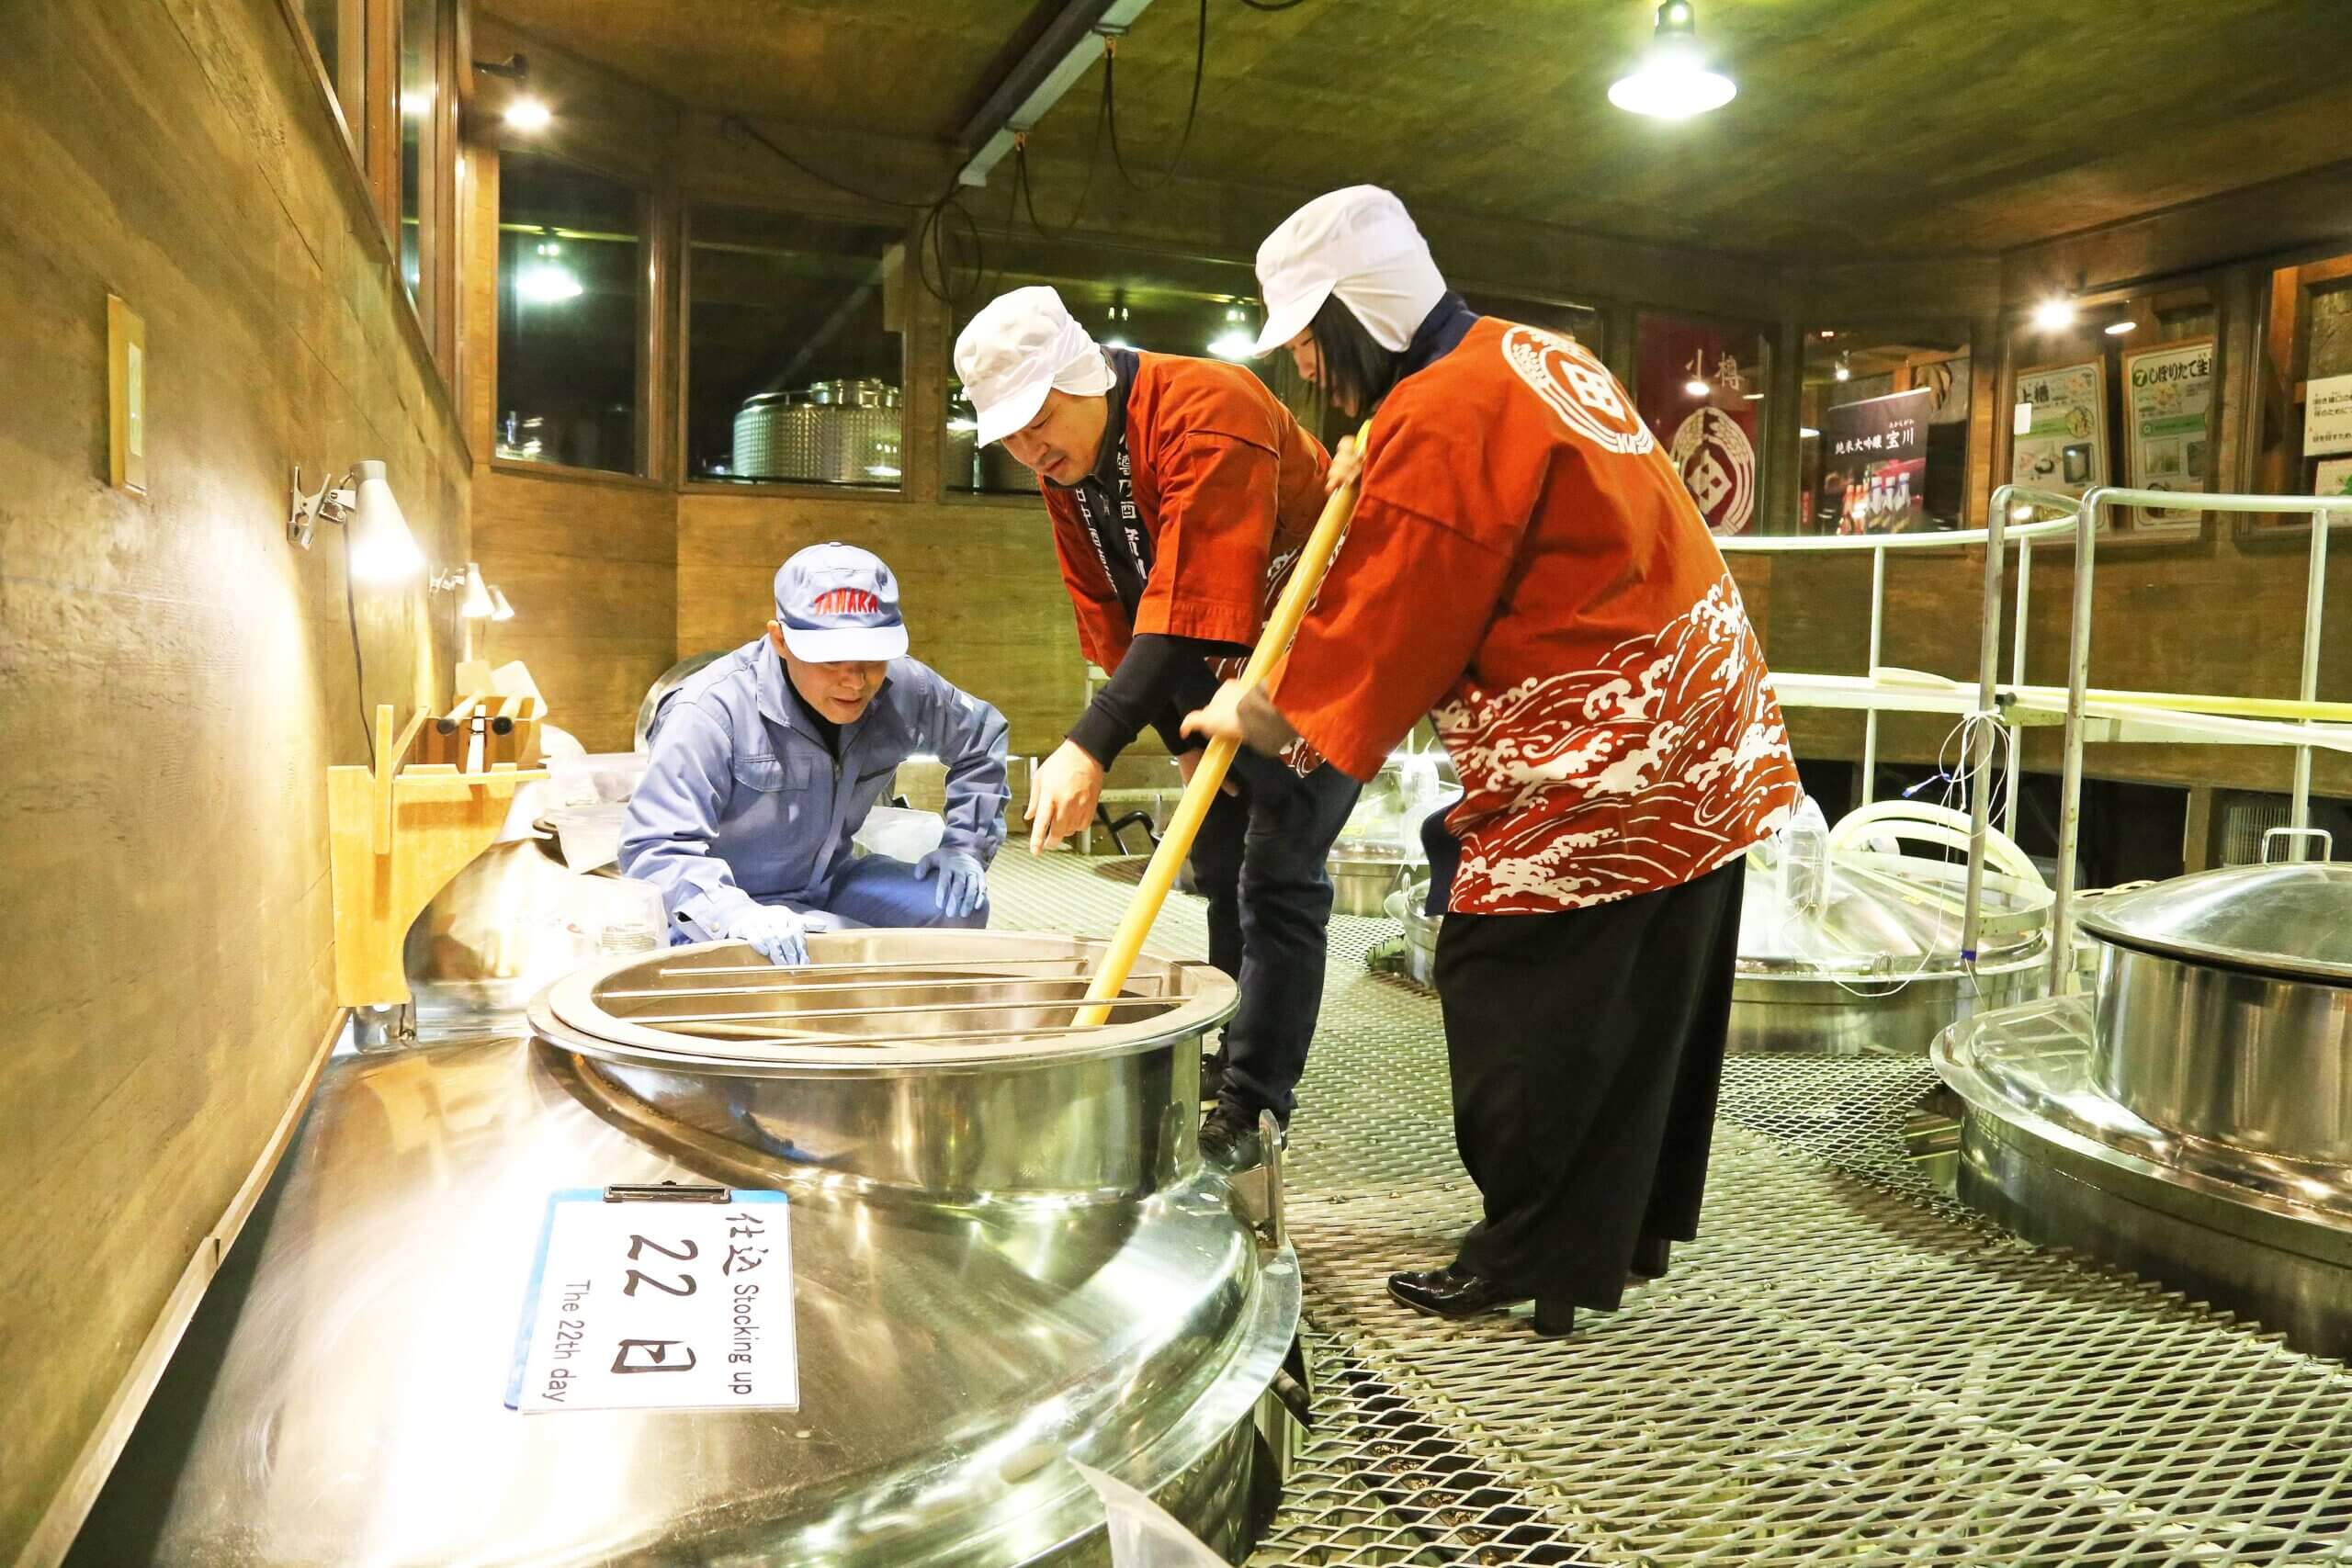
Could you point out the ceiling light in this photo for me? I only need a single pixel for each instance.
(1828, 332)
(528, 114)
(2055, 315)
(500, 610)
(1672, 81)
(1234, 344)
(2117, 329)
(1696, 387)
(1844, 372)
(548, 283)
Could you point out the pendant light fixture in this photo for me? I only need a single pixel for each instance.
(1672, 80)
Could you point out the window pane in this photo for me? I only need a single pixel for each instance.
(346, 76)
(2081, 420)
(1700, 386)
(793, 359)
(570, 313)
(418, 52)
(1161, 305)
(1883, 448)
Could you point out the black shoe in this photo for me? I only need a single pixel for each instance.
(1652, 1256)
(1454, 1293)
(1212, 1076)
(1229, 1139)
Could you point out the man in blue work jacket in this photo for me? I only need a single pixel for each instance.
(766, 762)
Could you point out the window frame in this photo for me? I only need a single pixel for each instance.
(368, 49)
(681, 415)
(654, 239)
(2286, 529)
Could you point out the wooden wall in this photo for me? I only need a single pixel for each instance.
(177, 675)
(591, 567)
(984, 602)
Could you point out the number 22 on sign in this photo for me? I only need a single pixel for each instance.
(649, 1305)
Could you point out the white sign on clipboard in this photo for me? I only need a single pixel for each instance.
(659, 1298)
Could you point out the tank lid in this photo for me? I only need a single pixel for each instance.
(1883, 918)
(2292, 920)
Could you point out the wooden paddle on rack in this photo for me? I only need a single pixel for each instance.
(1314, 559)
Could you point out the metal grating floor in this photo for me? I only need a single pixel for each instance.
(1845, 1368)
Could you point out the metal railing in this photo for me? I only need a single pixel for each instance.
(1878, 545)
(2078, 659)
(1996, 536)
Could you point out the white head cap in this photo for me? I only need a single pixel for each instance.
(1360, 245)
(1018, 346)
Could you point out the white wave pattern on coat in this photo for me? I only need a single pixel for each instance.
(1598, 784)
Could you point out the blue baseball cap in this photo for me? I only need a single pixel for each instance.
(837, 604)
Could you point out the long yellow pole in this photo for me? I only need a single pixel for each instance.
(1314, 559)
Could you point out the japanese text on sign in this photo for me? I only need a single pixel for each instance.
(660, 1305)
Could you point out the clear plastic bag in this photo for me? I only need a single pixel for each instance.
(1142, 1533)
(590, 835)
(901, 834)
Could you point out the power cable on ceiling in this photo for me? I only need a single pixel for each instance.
(1111, 101)
(935, 268)
(1025, 184)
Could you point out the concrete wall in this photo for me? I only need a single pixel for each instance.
(178, 676)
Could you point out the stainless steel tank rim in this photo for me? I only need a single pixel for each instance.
(2317, 1195)
(566, 1013)
(1892, 972)
(714, 1154)
(2233, 961)
(846, 1056)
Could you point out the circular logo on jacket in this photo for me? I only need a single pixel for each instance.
(1717, 463)
(1576, 388)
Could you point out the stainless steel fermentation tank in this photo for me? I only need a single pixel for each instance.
(1007, 1254)
(2192, 1118)
(840, 433)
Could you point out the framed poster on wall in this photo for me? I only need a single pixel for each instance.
(1876, 462)
(1700, 387)
(2168, 423)
(2060, 437)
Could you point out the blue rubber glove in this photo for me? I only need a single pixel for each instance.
(963, 880)
(778, 934)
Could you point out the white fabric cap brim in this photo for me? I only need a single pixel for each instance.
(1291, 319)
(1011, 411)
(841, 645)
